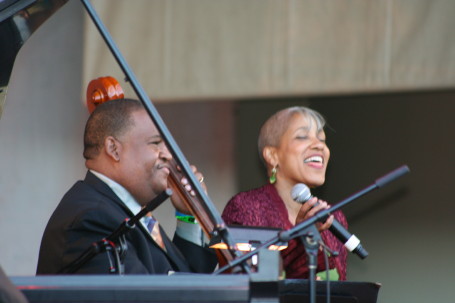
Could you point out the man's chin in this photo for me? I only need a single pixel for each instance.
(159, 189)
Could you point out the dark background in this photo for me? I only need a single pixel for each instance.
(407, 226)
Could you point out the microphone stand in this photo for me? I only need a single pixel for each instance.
(109, 244)
(311, 238)
(303, 228)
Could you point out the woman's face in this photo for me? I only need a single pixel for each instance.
(302, 153)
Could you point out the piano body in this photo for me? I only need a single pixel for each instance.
(186, 288)
(18, 20)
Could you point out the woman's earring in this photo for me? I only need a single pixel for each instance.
(272, 178)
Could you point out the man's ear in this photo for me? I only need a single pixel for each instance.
(112, 148)
(270, 156)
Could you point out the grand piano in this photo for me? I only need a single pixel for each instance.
(18, 20)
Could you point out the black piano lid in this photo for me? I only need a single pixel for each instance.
(19, 19)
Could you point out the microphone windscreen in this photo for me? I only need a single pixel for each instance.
(301, 193)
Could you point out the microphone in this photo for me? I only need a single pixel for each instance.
(301, 193)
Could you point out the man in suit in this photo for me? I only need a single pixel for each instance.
(127, 163)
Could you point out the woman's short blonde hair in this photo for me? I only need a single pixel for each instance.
(274, 128)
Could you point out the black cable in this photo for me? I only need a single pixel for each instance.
(327, 251)
(327, 273)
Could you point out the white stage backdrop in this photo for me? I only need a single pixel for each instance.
(211, 48)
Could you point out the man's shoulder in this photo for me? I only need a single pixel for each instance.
(83, 194)
(82, 201)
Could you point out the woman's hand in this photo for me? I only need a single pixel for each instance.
(177, 199)
(308, 210)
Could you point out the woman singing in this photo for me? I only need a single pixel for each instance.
(292, 145)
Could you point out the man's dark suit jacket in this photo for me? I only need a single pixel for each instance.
(89, 212)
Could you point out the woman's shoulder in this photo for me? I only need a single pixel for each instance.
(254, 196)
(254, 207)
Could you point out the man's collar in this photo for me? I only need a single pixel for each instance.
(121, 192)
